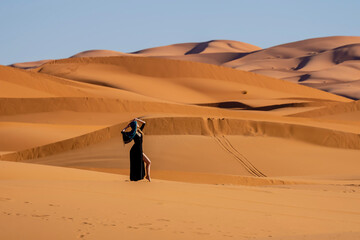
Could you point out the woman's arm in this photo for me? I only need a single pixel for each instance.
(143, 123)
(138, 119)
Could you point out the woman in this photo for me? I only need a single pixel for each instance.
(137, 157)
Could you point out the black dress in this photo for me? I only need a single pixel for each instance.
(137, 169)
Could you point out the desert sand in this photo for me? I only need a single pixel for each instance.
(329, 63)
(235, 154)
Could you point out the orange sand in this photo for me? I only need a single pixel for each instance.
(234, 154)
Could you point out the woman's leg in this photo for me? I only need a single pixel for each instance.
(147, 168)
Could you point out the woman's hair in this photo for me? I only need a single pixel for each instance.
(129, 136)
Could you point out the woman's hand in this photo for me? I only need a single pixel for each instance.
(137, 119)
(126, 127)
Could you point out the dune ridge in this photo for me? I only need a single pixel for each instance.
(213, 46)
(201, 126)
(30, 65)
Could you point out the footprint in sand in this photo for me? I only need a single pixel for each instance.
(4, 199)
(54, 205)
(132, 227)
(202, 233)
(83, 235)
(145, 224)
(155, 229)
(109, 225)
(163, 220)
(67, 218)
(40, 216)
(87, 223)
(227, 235)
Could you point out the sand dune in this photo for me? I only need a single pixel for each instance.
(282, 157)
(195, 82)
(315, 62)
(214, 46)
(328, 63)
(98, 53)
(30, 65)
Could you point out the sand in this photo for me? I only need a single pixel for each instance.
(89, 205)
(328, 63)
(235, 154)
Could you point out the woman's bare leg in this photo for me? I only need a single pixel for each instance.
(147, 168)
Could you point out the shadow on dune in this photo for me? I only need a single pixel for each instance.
(198, 48)
(238, 105)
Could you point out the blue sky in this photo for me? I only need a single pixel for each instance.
(45, 29)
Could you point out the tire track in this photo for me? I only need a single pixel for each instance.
(227, 146)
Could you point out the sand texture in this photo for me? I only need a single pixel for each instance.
(235, 154)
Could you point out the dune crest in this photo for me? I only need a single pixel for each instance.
(98, 53)
(29, 65)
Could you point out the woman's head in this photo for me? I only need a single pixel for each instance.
(133, 125)
(128, 136)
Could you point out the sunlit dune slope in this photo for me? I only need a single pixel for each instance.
(212, 146)
(20, 84)
(178, 81)
(98, 53)
(341, 111)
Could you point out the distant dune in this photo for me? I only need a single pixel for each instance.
(330, 63)
(98, 53)
(214, 46)
(30, 65)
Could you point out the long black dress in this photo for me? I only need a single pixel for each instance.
(137, 169)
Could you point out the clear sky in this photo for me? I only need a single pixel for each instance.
(47, 29)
